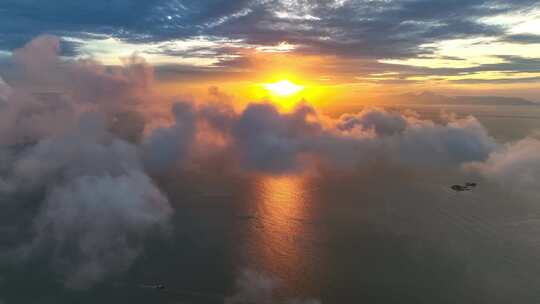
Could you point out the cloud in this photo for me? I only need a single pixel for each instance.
(363, 29)
(522, 38)
(84, 80)
(69, 89)
(90, 81)
(266, 140)
(98, 205)
(448, 144)
(96, 225)
(5, 90)
(71, 164)
(271, 141)
(38, 56)
(78, 162)
(515, 166)
(88, 150)
(26, 119)
(167, 146)
(216, 39)
(381, 122)
(253, 287)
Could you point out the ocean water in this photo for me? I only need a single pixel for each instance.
(378, 235)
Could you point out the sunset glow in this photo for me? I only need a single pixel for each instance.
(283, 88)
(269, 151)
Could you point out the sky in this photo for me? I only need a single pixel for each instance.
(345, 50)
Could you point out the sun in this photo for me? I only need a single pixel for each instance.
(283, 88)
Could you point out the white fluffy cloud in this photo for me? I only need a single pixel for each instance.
(267, 140)
(96, 225)
(515, 166)
(73, 155)
(99, 204)
(167, 146)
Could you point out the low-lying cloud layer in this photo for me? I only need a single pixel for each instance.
(267, 140)
(514, 166)
(85, 156)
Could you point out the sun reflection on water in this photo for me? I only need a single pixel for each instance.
(282, 207)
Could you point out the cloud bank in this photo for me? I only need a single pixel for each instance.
(515, 166)
(70, 158)
(267, 140)
(82, 160)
